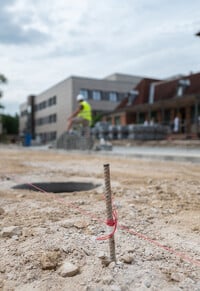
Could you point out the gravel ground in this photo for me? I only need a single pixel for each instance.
(49, 241)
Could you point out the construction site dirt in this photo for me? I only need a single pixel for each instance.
(49, 240)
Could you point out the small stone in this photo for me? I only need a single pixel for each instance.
(115, 288)
(21, 196)
(196, 228)
(49, 260)
(112, 265)
(81, 224)
(104, 260)
(67, 223)
(28, 232)
(68, 269)
(107, 280)
(147, 284)
(15, 237)
(2, 269)
(11, 231)
(2, 211)
(127, 259)
(1, 284)
(101, 255)
(177, 277)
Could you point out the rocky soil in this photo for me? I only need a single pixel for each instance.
(48, 241)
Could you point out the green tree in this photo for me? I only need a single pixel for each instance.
(10, 124)
(3, 80)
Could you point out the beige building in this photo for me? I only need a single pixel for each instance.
(45, 115)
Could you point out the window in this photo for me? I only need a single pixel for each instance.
(85, 94)
(183, 84)
(53, 135)
(24, 113)
(96, 95)
(52, 118)
(109, 120)
(49, 102)
(131, 96)
(121, 96)
(52, 101)
(117, 120)
(180, 91)
(113, 96)
(151, 93)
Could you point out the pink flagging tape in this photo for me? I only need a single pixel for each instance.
(113, 223)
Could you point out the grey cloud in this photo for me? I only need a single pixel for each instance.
(7, 3)
(71, 52)
(12, 33)
(77, 49)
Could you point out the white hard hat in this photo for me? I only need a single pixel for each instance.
(79, 97)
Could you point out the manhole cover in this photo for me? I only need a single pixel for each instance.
(57, 187)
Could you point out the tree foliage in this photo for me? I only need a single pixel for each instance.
(10, 124)
(3, 80)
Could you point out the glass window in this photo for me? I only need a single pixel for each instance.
(109, 120)
(117, 120)
(84, 92)
(96, 95)
(54, 117)
(121, 96)
(51, 118)
(180, 91)
(54, 100)
(113, 96)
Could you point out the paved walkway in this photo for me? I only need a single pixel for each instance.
(170, 153)
(156, 152)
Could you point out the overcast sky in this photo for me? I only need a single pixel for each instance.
(42, 42)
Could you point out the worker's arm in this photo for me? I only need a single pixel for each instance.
(75, 113)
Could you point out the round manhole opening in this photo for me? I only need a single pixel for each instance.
(57, 187)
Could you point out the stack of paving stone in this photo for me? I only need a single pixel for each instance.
(74, 141)
(131, 131)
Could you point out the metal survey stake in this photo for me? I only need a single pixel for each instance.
(109, 209)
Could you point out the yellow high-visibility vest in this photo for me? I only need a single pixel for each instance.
(86, 111)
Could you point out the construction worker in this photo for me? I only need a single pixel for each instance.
(82, 115)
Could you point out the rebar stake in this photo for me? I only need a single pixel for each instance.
(109, 209)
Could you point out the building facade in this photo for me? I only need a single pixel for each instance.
(45, 115)
(162, 101)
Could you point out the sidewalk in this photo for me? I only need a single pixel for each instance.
(160, 153)
(185, 151)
